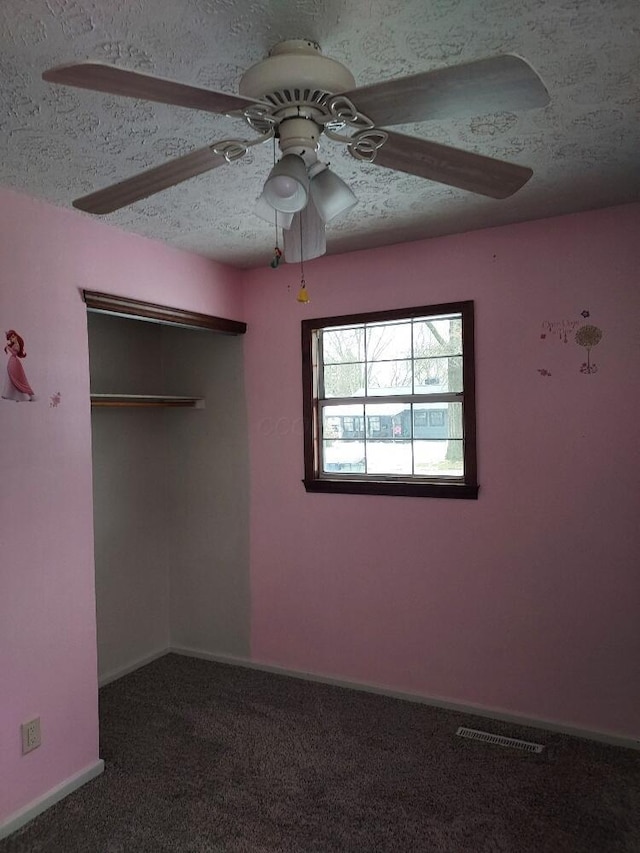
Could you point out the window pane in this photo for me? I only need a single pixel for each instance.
(344, 380)
(388, 421)
(438, 375)
(455, 420)
(331, 427)
(346, 457)
(388, 341)
(437, 337)
(438, 458)
(389, 457)
(437, 420)
(342, 422)
(389, 377)
(343, 346)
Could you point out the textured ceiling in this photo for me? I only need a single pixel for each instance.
(59, 143)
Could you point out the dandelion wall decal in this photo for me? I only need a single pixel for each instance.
(588, 337)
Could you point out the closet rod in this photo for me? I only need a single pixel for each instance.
(145, 401)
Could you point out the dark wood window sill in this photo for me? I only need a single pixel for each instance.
(379, 487)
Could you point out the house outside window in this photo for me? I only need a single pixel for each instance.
(389, 402)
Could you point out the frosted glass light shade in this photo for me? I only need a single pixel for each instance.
(331, 195)
(264, 210)
(287, 187)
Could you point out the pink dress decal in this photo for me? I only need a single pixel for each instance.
(16, 385)
(18, 377)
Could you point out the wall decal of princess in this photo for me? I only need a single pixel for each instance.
(16, 385)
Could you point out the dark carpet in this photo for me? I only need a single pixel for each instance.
(206, 758)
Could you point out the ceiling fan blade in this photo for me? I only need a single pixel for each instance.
(306, 238)
(150, 182)
(452, 166)
(100, 77)
(504, 82)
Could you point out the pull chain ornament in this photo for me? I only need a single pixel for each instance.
(277, 257)
(303, 295)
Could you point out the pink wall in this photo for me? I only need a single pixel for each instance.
(47, 606)
(525, 601)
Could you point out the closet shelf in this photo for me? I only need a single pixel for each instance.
(146, 401)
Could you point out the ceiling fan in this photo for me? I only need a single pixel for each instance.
(295, 95)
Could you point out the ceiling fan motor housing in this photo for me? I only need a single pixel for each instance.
(298, 70)
(299, 136)
(296, 78)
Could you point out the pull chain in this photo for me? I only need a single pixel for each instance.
(303, 296)
(277, 252)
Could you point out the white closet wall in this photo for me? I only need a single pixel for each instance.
(208, 466)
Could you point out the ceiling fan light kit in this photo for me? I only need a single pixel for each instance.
(329, 192)
(287, 187)
(274, 217)
(296, 95)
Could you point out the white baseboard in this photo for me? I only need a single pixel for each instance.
(20, 818)
(436, 702)
(114, 674)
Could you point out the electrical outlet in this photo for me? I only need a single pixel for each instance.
(31, 738)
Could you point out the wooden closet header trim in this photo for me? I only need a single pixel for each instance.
(106, 303)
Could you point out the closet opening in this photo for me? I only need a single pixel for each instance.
(170, 483)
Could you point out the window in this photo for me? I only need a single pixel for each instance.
(389, 402)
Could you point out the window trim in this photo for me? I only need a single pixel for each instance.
(313, 482)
